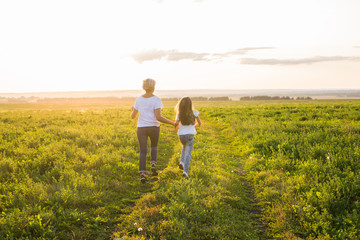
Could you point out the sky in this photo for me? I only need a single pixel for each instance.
(87, 45)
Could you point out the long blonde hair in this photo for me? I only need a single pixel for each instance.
(185, 111)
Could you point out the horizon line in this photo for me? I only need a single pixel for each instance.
(193, 89)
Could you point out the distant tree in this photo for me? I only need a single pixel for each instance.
(285, 98)
(199, 98)
(246, 98)
(219, 99)
(303, 98)
(86, 100)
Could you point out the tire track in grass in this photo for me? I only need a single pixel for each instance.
(234, 153)
(215, 203)
(226, 135)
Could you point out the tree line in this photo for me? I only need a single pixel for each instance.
(34, 99)
(247, 98)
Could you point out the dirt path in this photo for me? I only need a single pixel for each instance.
(215, 203)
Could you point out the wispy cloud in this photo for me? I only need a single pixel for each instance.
(149, 55)
(317, 59)
(176, 55)
(169, 55)
(239, 51)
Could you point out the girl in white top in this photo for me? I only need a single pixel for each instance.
(149, 108)
(187, 120)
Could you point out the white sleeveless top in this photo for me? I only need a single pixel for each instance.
(187, 129)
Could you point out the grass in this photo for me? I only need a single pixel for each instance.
(303, 162)
(283, 170)
(68, 174)
(214, 203)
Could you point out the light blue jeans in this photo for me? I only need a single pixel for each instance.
(187, 142)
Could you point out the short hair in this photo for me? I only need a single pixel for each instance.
(148, 84)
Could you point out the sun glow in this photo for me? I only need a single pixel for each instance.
(94, 45)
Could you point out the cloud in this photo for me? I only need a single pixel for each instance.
(356, 47)
(149, 55)
(317, 59)
(251, 48)
(176, 55)
(240, 51)
(169, 55)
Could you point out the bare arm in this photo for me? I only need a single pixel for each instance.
(161, 118)
(176, 125)
(134, 112)
(198, 122)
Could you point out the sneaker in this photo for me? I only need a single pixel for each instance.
(153, 169)
(142, 178)
(181, 166)
(185, 175)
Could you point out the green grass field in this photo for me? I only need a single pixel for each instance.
(259, 170)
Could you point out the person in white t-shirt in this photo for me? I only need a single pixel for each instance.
(148, 106)
(187, 120)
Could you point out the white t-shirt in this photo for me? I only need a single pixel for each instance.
(146, 107)
(187, 129)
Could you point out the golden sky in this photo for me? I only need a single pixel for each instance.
(182, 44)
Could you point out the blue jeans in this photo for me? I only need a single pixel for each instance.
(187, 142)
(143, 133)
